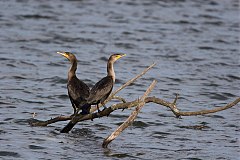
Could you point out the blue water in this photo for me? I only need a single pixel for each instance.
(194, 43)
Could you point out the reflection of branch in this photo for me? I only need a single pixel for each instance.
(130, 119)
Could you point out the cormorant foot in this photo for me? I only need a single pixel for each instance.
(105, 109)
(84, 112)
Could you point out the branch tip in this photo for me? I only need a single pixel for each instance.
(176, 98)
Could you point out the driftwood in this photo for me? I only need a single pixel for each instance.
(130, 119)
(126, 105)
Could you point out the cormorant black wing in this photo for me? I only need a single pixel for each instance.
(100, 90)
(78, 91)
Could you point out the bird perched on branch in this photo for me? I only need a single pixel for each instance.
(78, 91)
(102, 89)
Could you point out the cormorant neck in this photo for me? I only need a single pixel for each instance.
(110, 70)
(72, 69)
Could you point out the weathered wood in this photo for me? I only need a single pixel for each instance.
(109, 110)
(130, 119)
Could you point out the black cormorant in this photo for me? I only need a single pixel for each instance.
(78, 91)
(102, 89)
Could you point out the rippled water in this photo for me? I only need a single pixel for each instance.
(194, 43)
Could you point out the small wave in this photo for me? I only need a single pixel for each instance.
(182, 139)
(193, 30)
(54, 79)
(233, 77)
(125, 45)
(8, 119)
(81, 132)
(32, 102)
(162, 133)
(11, 65)
(220, 64)
(214, 23)
(217, 96)
(28, 63)
(9, 154)
(21, 121)
(211, 84)
(122, 155)
(207, 48)
(139, 124)
(207, 16)
(182, 22)
(175, 79)
(19, 77)
(197, 59)
(2, 132)
(36, 147)
(217, 116)
(34, 16)
(5, 59)
(195, 127)
(63, 96)
(105, 59)
(221, 41)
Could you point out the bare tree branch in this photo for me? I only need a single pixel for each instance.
(127, 105)
(119, 98)
(131, 81)
(130, 119)
(35, 122)
(178, 113)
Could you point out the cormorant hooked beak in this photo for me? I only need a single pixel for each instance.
(120, 56)
(63, 54)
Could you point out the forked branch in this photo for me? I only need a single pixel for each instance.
(130, 119)
(127, 105)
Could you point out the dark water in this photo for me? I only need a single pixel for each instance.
(194, 43)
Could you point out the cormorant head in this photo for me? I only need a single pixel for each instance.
(115, 57)
(68, 55)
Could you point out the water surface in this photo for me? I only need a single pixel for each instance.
(194, 43)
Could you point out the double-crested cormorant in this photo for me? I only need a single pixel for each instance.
(78, 91)
(102, 89)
